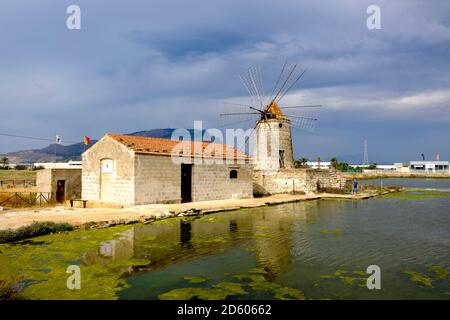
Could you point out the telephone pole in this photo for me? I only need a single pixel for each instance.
(366, 154)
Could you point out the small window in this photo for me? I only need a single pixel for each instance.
(233, 174)
(107, 166)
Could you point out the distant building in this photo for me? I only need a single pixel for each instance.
(429, 166)
(59, 165)
(315, 165)
(60, 184)
(414, 167)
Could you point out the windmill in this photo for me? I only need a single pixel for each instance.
(273, 120)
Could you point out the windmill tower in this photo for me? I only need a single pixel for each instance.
(273, 145)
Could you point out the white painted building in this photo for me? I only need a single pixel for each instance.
(316, 164)
(59, 165)
(429, 166)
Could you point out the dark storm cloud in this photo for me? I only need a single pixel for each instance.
(145, 64)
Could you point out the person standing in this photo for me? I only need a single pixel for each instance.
(355, 186)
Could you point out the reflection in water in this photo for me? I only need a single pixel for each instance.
(185, 233)
(121, 248)
(272, 242)
(233, 226)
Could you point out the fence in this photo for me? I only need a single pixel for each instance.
(17, 183)
(21, 199)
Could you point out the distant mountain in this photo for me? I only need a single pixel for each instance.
(74, 151)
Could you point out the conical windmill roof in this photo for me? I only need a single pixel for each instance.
(275, 110)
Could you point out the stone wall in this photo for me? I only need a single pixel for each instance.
(122, 176)
(296, 180)
(273, 135)
(158, 180)
(46, 181)
(212, 182)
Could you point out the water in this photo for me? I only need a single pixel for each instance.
(438, 184)
(319, 249)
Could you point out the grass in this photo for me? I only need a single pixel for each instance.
(33, 230)
(418, 194)
(17, 174)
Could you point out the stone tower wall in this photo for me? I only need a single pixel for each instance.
(272, 136)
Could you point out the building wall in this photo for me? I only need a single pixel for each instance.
(212, 182)
(46, 181)
(269, 134)
(297, 180)
(158, 180)
(122, 176)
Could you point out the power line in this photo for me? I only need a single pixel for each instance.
(33, 138)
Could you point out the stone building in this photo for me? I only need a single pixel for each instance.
(274, 162)
(62, 184)
(132, 170)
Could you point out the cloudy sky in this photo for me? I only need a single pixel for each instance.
(138, 65)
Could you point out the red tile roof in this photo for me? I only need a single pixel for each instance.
(167, 147)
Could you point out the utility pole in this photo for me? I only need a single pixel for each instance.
(366, 154)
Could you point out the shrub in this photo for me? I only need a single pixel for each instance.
(8, 289)
(20, 167)
(33, 230)
(332, 190)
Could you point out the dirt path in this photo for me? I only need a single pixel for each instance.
(104, 217)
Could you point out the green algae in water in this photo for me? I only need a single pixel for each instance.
(340, 272)
(419, 278)
(345, 278)
(439, 271)
(251, 277)
(165, 221)
(257, 271)
(55, 253)
(360, 273)
(219, 291)
(195, 279)
(286, 293)
(131, 263)
(336, 232)
(190, 293)
(263, 285)
(232, 288)
(418, 194)
(145, 238)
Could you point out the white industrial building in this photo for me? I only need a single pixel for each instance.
(429, 166)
